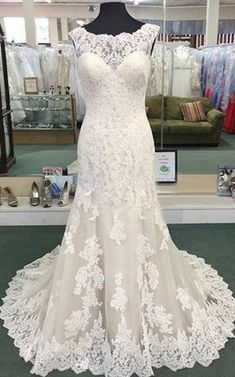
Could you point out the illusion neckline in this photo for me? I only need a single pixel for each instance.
(123, 33)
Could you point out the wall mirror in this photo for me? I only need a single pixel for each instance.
(183, 70)
(45, 122)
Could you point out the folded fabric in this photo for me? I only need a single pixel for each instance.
(193, 111)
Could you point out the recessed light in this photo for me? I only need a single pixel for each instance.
(91, 8)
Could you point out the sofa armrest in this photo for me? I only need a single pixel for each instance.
(215, 117)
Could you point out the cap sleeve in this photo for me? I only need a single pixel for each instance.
(154, 31)
(75, 37)
(152, 34)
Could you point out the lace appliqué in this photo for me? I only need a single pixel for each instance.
(71, 229)
(90, 277)
(184, 298)
(118, 230)
(82, 202)
(77, 322)
(163, 227)
(119, 299)
(113, 49)
(95, 213)
(148, 279)
(53, 297)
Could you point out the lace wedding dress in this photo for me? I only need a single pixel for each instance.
(117, 296)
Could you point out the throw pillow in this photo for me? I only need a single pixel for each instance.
(193, 111)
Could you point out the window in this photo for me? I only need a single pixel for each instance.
(15, 29)
(42, 30)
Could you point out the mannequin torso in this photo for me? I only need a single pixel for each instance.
(113, 19)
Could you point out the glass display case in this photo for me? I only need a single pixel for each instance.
(44, 118)
(7, 158)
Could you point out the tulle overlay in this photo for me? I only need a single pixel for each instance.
(117, 297)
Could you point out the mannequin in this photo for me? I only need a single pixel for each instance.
(113, 19)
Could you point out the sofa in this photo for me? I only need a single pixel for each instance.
(178, 132)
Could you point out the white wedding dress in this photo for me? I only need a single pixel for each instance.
(117, 296)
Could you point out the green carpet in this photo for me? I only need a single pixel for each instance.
(204, 160)
(22, 245)
(30, 159)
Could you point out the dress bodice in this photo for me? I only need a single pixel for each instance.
(114, 70)
(114, 49)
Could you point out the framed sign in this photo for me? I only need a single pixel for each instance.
(31, 85)
(166, 166)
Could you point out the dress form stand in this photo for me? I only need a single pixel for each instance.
(113, 19)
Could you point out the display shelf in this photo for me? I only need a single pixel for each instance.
(176, 209)
(46, 119)
(190, 184)
(5, 112)
(185, 202)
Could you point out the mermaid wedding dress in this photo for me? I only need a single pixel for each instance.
(117, 297)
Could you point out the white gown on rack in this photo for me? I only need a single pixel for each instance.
(117, 296)
(186, 81)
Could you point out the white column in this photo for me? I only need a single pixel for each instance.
(64, 29)
(53, 32)
(29, 16)
(212, 22)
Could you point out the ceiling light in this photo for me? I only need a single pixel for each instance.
(91, 8)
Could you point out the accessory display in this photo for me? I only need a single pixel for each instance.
(55, 170)
(226, 180)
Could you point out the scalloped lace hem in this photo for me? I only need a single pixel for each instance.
(93, 352)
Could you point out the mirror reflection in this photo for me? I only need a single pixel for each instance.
(199, 72)
(190, 93)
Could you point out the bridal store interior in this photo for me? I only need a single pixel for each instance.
(190, 105)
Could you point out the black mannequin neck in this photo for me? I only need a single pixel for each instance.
(113, 19)
(115, 8)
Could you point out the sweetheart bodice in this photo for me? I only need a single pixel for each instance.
(107, 90)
